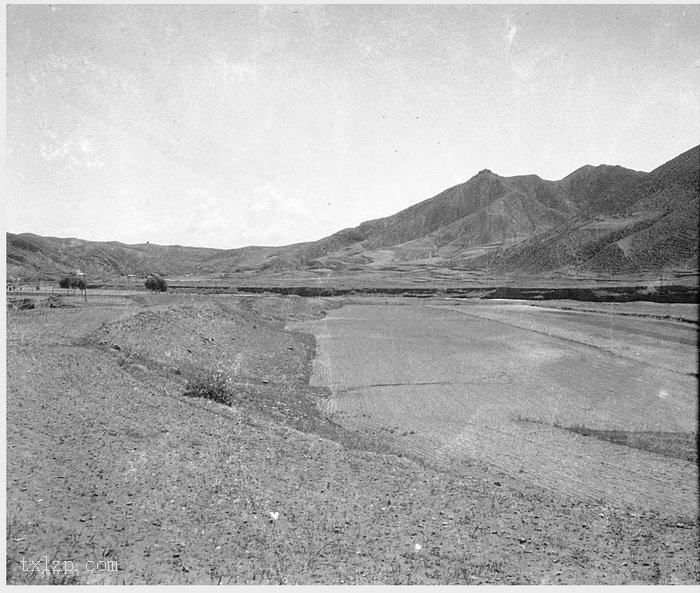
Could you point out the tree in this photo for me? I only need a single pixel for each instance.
(156, 283)
(74, 282)
(64, 282)
(78, 283)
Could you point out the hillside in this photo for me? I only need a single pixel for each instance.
(602, 219)
(653, 225)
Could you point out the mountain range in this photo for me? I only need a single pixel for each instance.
(603, 219)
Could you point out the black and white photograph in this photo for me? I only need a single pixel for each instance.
(352, 294)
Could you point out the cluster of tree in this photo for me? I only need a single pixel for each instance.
(73, 282)
(156, 283)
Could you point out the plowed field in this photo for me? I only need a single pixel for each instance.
(501, 384)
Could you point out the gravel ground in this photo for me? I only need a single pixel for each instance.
(108, 461)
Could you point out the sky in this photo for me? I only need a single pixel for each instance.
(233, 125)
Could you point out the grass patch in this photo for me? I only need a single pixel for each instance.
(213, 385)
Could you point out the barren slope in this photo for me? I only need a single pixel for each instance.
(650, 225)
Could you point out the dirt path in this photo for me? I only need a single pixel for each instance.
(457, 384)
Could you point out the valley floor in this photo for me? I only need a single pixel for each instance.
(515, 387)
(334, 471)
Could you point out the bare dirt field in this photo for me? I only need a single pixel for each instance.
(500, 383)
(426, 445)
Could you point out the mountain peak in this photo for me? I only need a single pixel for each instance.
(600, 169)
(586, 169)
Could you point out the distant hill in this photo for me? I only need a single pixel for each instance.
(33, 256)
(605, 219)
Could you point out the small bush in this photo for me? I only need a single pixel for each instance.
(213, 385)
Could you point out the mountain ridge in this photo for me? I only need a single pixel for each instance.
(603, 218)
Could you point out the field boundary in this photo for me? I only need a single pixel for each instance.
(618, 294)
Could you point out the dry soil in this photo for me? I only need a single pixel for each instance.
(108, 460)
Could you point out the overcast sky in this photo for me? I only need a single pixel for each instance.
(234, 125)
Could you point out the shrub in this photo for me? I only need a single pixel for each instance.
(64, 282)
(213, 385)
(156, 283)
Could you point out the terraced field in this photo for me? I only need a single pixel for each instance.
(503, 384)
